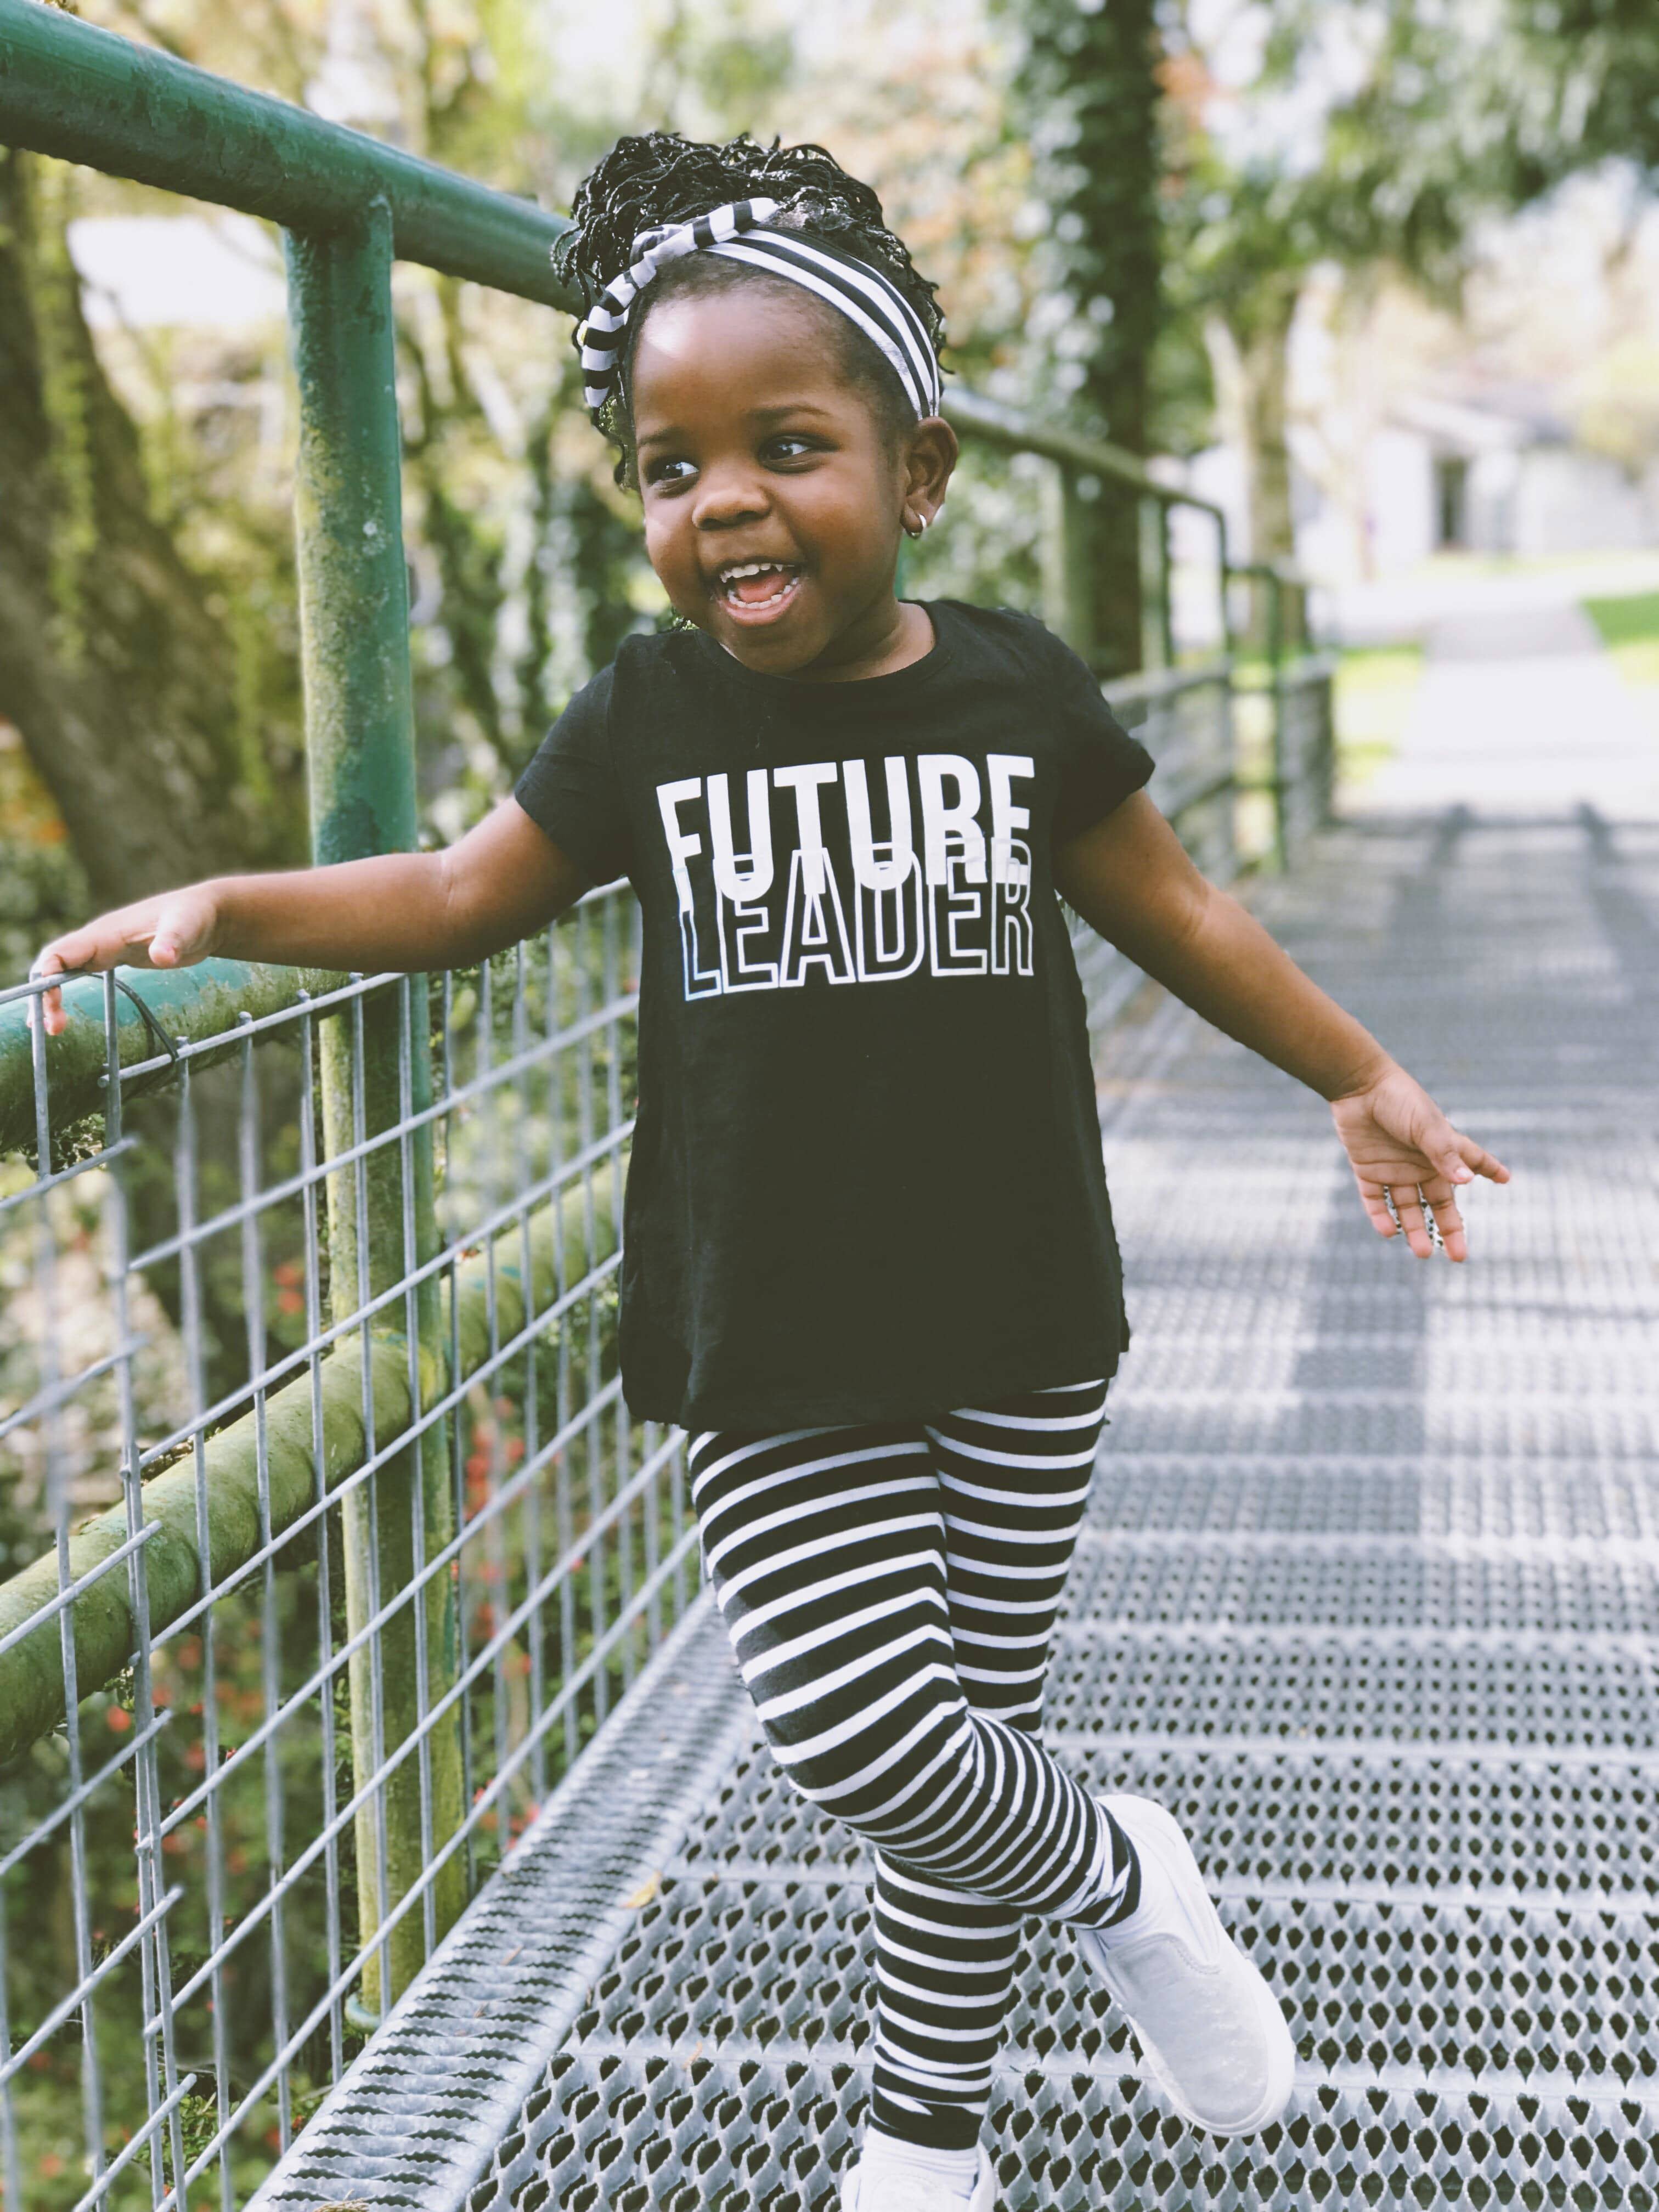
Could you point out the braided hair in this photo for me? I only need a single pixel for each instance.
(661, 177)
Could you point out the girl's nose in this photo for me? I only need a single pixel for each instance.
(725, 498)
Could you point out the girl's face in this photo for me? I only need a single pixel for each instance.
(750, 448)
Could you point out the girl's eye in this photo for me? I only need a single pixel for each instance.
(657, 472)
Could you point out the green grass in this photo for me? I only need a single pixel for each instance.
(1375, 685)
(1630, 631)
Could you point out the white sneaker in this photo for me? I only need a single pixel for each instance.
(1212, 2034)
(862, 2191)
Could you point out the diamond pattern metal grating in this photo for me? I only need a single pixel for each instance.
(1369, 1597)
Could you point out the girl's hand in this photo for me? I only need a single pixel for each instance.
(173, 930)
(1398, 1141)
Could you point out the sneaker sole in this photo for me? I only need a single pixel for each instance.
(1281, 2065)
(983, 2200)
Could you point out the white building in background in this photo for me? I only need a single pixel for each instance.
(1479, 471)
(1491, 472)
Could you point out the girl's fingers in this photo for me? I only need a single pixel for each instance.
(1408, 1162)
(1371, 1197)
(1448, 1221)
(1459, 1161)
(1411, 1223)
(172, 934)
(114, 940)
(1482, 1162)
(1419, 1212)
(64, 956)
(1458, 1157)
(50, 1004)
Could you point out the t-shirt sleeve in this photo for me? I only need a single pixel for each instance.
(569, 789)
(1100, 763)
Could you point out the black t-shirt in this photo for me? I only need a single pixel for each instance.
(866, 1179)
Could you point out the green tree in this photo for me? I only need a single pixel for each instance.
(1595, 92)
(122, 662)
(1087, 88)
(1368, 137)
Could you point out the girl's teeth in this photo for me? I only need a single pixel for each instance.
(786, 579)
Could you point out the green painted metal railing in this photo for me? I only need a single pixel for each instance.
(189, 1004)
(84, 95)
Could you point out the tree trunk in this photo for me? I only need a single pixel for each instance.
(1090, 84)
(119, 674)
(1251, 351)
(123, 684)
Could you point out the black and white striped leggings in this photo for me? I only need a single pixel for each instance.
(890, 1592)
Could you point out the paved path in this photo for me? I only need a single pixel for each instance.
(1409, 606)
(1521, 711)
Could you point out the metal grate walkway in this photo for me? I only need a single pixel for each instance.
(1370, 1597)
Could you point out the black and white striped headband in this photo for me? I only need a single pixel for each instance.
(861, 292)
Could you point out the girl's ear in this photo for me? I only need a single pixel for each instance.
(931, 455)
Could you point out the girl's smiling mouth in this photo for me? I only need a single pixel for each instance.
(757, 592)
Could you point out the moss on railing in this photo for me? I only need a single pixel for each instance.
(32, 1672)
(188, 1004)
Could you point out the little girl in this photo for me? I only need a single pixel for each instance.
(869, 1258)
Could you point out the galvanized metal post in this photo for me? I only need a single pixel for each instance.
(1325, 782)
(354, 610)
(1068, 560)
(1156, 615)
(1224, 573)
(1284, 768)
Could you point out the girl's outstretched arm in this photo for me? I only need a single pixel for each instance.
(398, 910)
(1129, 877)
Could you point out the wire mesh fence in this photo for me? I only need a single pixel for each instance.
(205, 1868)
(1304, 750)
(1245, 774)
